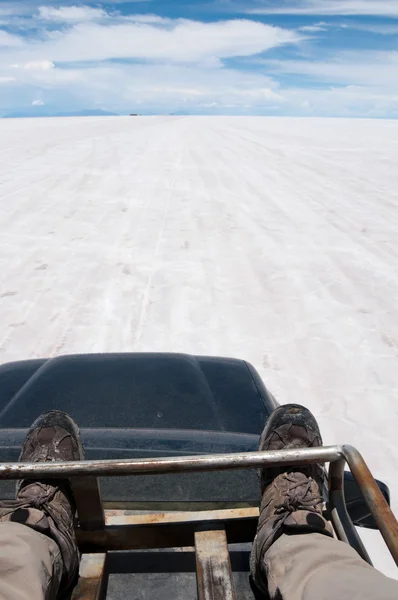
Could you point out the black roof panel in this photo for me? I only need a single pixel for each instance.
(140, 390)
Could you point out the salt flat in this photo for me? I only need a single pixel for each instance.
(273, 240)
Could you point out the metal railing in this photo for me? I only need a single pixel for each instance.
(100, 531)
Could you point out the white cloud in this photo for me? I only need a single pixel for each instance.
(190, 73)
(7, 40)
(313, 28)
(159, 88)
(371, 26)
(366, 68)
(379, 28)
(150, 88)
(39, 65)
(150, 19)
(387, 8)
(261, 94)
(71, 14)
(7, 79)
(178, 41)
(349, 101)
(37, 103)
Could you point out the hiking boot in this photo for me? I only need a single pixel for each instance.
(48, 506)
(292, 497)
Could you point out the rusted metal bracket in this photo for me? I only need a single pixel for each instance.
(213, 566)
(88, 502)
(93, 578)
(375, 500)
(341, 520)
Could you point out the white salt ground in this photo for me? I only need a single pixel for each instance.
(273, 240)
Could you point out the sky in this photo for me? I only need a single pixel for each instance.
(233, 57)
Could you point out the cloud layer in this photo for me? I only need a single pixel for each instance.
(77, 57)
(385, 8)
(166, 40)
(71, 14)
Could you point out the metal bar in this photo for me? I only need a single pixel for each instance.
(335, 494)
(213, 566)
(183, 464)
(89, 506)
(341, 520)
(165, 530)
(93, 578)
(375, 500)
(378, 506)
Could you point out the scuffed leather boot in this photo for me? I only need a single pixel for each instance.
(48, 505)
(292, 499)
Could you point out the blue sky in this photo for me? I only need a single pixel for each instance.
(249, 57)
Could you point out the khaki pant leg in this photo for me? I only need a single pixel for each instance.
(313, 566)
(30, 564)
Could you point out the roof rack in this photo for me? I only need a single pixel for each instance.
(100, 531)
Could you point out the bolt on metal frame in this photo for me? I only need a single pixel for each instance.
(210, 532)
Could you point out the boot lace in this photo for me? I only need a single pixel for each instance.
(299, 496)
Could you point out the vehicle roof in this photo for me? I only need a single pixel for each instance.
(144, 405)
(142, 390)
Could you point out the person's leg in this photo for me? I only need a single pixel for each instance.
(312, 566)
(294, 555)
(31, 565)
(41, 557)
